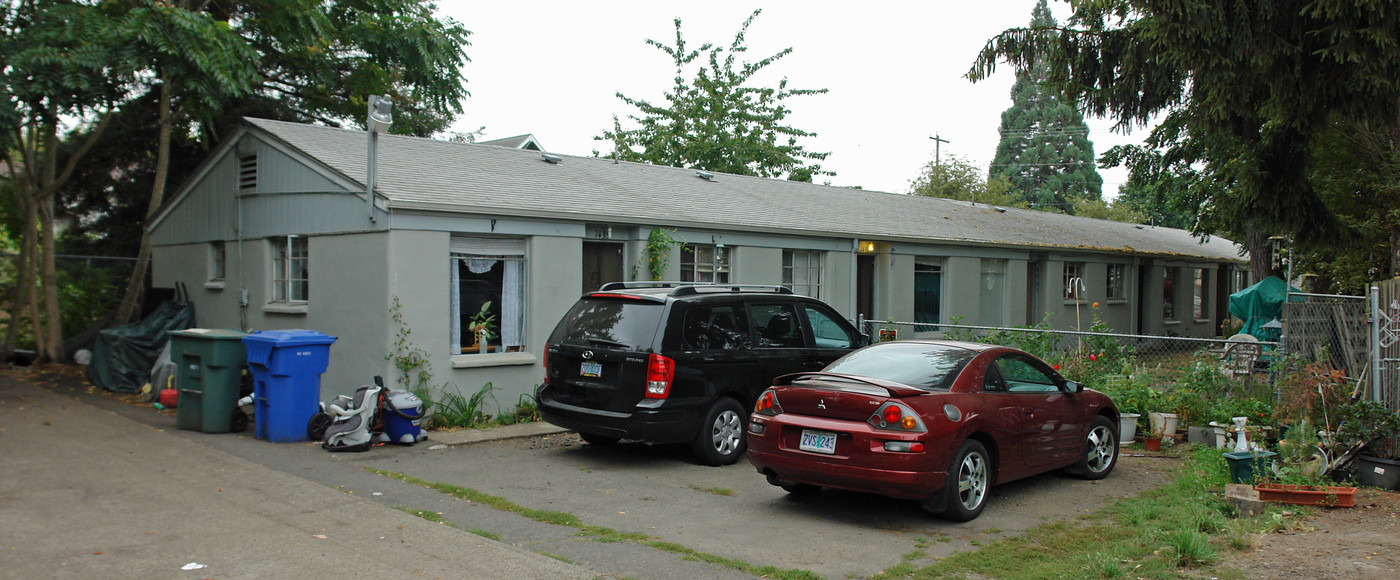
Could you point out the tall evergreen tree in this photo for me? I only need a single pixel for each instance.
(1045, 152)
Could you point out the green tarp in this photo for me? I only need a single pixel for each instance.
(1260, 303)
(123, 356)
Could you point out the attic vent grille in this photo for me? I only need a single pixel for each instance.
(247, 172)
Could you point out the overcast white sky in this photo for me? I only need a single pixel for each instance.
(894, 71)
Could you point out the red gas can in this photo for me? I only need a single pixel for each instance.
(168, 398)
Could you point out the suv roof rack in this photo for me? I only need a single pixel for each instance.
(646, 284)
(709, 288)
(693, 288)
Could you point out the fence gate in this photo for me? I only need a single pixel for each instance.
(1334, 324)
(1387, 336)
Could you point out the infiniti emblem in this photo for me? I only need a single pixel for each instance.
(587, 354)
(821, 403)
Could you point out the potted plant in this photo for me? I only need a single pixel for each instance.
(1371, 423)
(481, 326)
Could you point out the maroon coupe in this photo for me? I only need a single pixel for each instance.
(935, 421)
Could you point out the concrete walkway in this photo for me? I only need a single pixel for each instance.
(86, 492)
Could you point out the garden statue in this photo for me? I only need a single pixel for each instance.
(1241, 445)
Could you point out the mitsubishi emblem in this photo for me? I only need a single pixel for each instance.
(821, 403)
(587, 354)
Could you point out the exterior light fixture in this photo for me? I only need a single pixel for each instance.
(866, 247)
(378, 120)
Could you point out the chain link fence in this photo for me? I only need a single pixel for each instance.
(1243, 357)
(89, 287)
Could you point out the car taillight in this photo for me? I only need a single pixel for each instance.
(660, 371)
(767, 404)
(545, 361)
(896, 417)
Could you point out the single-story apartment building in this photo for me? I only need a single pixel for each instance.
(275, 231)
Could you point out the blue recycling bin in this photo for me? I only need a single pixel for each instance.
(287, 367)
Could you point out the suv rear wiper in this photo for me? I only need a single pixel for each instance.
(605, 342)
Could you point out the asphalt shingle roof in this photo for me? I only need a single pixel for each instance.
(419, 173)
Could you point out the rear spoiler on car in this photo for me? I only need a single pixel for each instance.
(895, 389)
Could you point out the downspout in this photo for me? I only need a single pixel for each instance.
(855, 273)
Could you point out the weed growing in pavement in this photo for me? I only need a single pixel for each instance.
(713, 490)
(598, 533)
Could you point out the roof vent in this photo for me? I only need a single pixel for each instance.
(705, 175)
(551, 158)
(999, 209)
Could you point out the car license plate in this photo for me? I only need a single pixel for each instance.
(818, 441)
(591, 369)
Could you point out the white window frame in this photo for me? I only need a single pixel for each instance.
(218, 264)
(716, 269)
(1073, 287)
(486, 254)
(803, 265)
(291, 284)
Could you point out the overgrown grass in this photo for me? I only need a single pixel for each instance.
(1179, 529)
(596, 533)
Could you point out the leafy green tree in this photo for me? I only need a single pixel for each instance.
(1045, 152)
(958, 178)
(1357, 173)
(715, 121)
(63, 60)
(195, 60)
(1254, 81)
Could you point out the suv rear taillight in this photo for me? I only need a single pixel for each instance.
(545, 361)
(660, 371)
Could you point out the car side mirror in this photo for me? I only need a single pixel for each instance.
(864, 340)
(1072, 387)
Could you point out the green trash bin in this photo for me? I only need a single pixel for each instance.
(208, 371)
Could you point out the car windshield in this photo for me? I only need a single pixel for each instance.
(613, 322)
(921, 365)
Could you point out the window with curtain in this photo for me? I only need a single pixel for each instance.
(802, 272)
(1198, 298)
(928, 290)
(488, 294)
(290, 279)
(993, 292)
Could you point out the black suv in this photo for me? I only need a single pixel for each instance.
(678, 362)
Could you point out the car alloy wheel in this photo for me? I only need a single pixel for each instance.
(1100, 450)
(721, 439)
(969, 478)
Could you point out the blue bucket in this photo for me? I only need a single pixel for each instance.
(403, 413)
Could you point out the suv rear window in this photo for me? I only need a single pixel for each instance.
(620, 323)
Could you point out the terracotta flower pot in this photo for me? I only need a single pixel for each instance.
(1153, 443)
(1323, 495)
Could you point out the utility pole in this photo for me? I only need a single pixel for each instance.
(936, 142)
